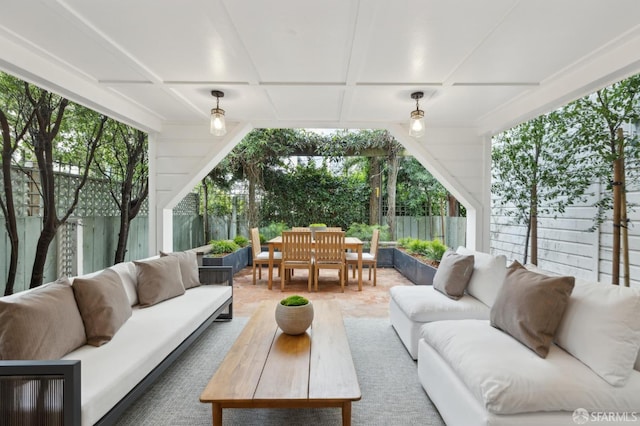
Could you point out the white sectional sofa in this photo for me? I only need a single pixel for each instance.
(478, 374)
(105, 379)
(411, 307)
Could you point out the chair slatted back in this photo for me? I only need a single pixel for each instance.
(329, 247)
(255, 241)
(336, 229)
(375, 238)
(296, 246)
(300, 229)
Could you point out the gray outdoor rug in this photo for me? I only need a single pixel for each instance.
(391, 392)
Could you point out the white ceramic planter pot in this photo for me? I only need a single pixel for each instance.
(294, 320)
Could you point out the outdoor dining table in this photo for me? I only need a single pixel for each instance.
(350, 243)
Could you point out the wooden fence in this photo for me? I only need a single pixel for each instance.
(88, 244)
(430, 227)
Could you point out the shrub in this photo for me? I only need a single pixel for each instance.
(433, 249)
(405, 242)
(273, 230)
(223, 246)
(317, 225)
(364, 232)
(294, 300)
(240, 240)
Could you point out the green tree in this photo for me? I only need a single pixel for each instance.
(15, 119)
(310, 194)
(82, 133)
(259, 150)
(598, 121)
(123, 163)
(537, 172)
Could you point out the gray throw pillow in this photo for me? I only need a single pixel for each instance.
(188, 267)
(158, 280)
(530, 307)
(43, 323)
(453, 274)
(103, 304)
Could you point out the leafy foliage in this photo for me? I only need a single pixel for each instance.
(364, 232)
(294, 300)
(535, 169)
(595, 120)
(272, 230)
(241, 240)
(431, 249)
(310, 194)
(223, 246)
(419, 190)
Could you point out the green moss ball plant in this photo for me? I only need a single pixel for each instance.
(294, 300)
(294, 315)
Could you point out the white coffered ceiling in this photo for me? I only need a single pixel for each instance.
(330, 63)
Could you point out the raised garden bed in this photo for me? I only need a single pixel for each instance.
(417, 271)
(238, 260)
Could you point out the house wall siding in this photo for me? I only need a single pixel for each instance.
(566, 245)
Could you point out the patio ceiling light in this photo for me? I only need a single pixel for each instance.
(416, 125)
(218, 127)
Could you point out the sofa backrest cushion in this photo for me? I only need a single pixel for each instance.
(488, 275)
(188, 267)
(158, 280)
(103, 305)
(453, 273)
(43, 323)
(601, 328)
(128, 275)
(530, 306)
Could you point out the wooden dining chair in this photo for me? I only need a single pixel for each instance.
(261, 258)
(296, 254)
(329, 254)
(370, 260)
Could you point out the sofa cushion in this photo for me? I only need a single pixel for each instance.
(530, 306)
(110, 372)
(158, 279)
(487, 277)
(43, 323)
(453, 273)
(507, 378)
(422, 303)
(601, 328)
(188, 267)
(128, 275)
(103, 305)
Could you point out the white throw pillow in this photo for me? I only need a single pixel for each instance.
(601, 327)
(128, 275)
(487, 277)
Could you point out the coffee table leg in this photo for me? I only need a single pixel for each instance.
(217, 414)
(346, 413)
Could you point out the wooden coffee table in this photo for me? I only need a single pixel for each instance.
(266, 368)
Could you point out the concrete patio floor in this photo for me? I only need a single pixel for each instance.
(371, 302)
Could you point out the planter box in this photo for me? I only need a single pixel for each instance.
(238, 260)
(417, 272)
(385, 257)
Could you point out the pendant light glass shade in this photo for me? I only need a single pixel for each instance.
(416, 124)
(218, 125)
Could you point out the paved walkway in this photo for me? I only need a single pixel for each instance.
(371, 302)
